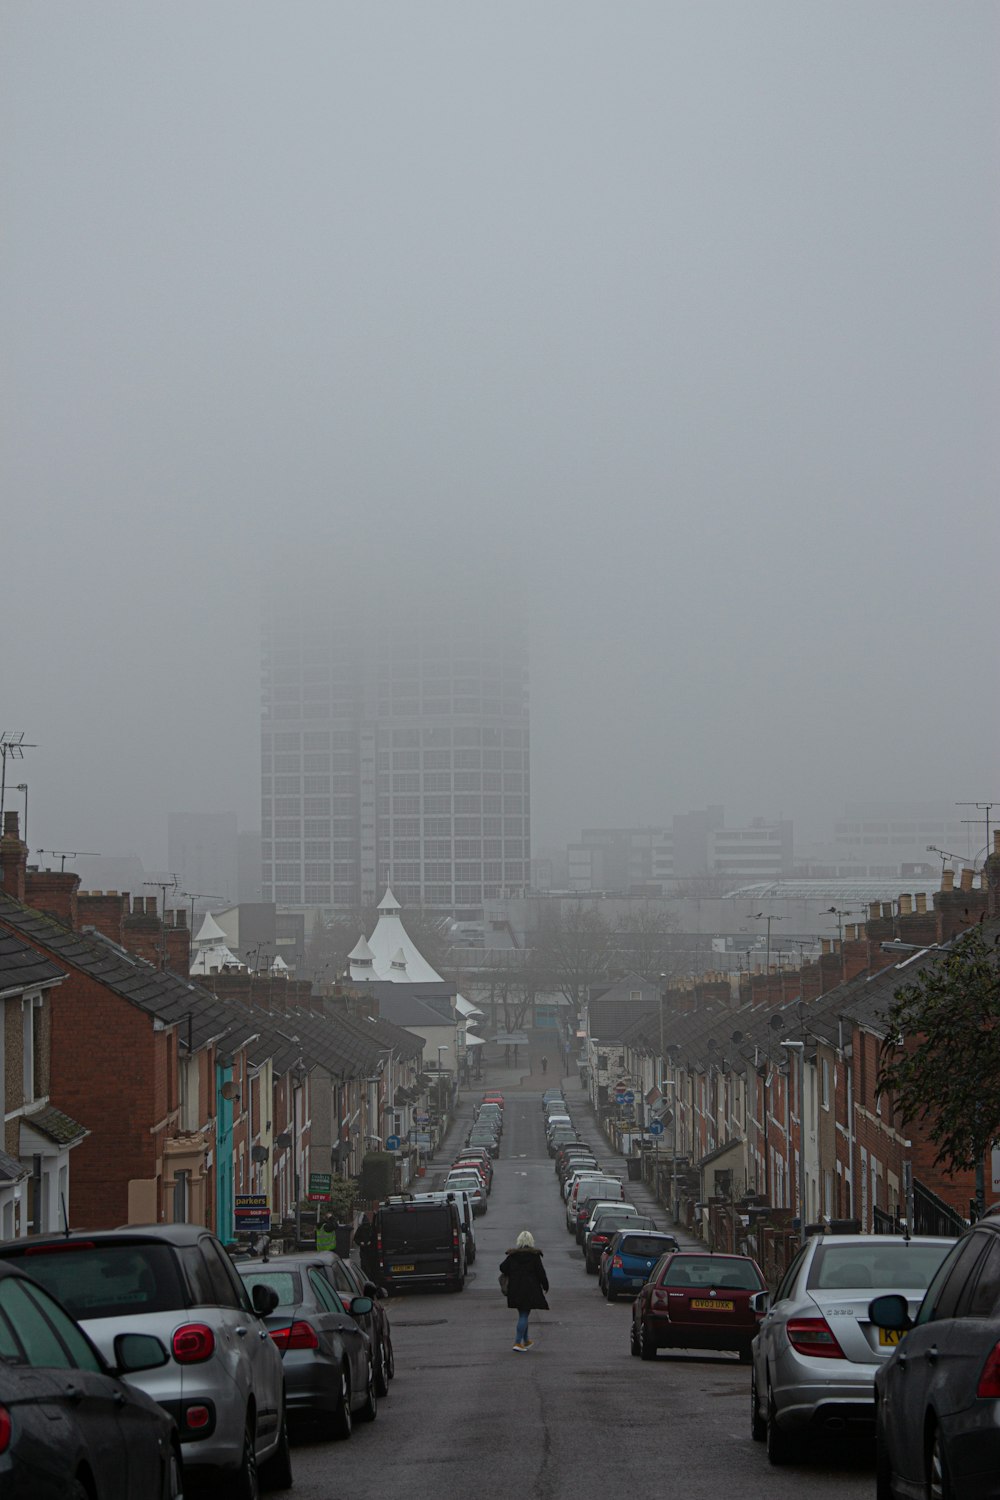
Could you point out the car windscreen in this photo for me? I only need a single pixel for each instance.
(422, 1227)
(109, 1280)
(894, 1266)
(287, 1284)
(712, 1270)
(647, 1245)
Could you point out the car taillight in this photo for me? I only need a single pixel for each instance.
(5, 1429)
(193, 1344)
(658, 1298)
(196, 1416)
(989, 1380)
(813, 1336)
(616, 1262)
(295, 1336)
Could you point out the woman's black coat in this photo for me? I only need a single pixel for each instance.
(527, 1282)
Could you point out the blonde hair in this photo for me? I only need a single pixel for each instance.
(526, 1240)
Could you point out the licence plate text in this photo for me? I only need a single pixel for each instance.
(890, 1337)
(403, 1268)
(713, 1304)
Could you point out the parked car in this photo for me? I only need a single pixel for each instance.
(602, 1227)
(59, 1397)
(418, 1244)
(694, 1300)
(608, 1192)
(468, 1182)
(482, 1161)
(937, 1395)
(225, 1391)
(465, 1213)
(628, 1259)
(328, 1359)
(815, 1358)
(350, 1283)
(584, 1182)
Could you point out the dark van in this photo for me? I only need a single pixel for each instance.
(419, 1244)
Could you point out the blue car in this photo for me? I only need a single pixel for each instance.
(629, 1258)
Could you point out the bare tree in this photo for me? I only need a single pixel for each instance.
(574, 949)
(645, 942)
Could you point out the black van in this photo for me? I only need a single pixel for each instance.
(419, 1244)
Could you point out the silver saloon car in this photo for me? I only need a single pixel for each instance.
(816, 1354)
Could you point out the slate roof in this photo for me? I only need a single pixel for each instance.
(56, 1125)
(11, 1170)
(22, 968)
(402, 1007)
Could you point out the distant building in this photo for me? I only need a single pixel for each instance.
(887, 840)
(393, 750)
(651, 861)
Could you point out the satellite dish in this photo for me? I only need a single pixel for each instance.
(776, 1023)
(229, 1089)
(737, 1037)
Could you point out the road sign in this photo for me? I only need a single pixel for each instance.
(421, 1116)
(619, 1098)
(251, 1213)
(656, 1128)
(629, 1098)
(392, 1143)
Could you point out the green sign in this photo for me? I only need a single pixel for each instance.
(319, 1185)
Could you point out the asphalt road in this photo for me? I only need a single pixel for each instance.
(576, 1416)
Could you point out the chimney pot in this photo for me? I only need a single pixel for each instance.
(947, 880)
(967, 875)
(906, 904)
(887, 910)
(922, 902)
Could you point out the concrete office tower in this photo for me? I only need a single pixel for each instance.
(394, 751)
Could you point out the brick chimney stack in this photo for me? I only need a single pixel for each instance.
(54, 892)
(13, 857)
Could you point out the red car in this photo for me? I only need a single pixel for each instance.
(493, 1099)
(698, 1301)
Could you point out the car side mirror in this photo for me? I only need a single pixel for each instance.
(264, 1298)
(890, 1311)
(760, 1302)
(138, 1351)
(361, 1306)
(373, 1291)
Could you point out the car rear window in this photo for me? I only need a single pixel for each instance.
(646, 1245)
(109, 1280)
(417, 1227)
(895, 1266)
(712, 1270)
(287, 1284)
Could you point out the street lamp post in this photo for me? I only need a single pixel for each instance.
(769, 918)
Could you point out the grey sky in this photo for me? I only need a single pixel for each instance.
(685, 316)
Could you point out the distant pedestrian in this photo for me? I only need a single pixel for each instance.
(545, 1066)
(326, 1234)
(363, 1237)
(526, 1286)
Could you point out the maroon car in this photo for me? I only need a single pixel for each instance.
(698, 1301)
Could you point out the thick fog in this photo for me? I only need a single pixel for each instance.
(676, 323)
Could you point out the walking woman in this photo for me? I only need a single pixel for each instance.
(527, 1284)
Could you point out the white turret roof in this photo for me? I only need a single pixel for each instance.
(213, 958)
(210, 931)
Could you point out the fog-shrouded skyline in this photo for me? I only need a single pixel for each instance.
(678, 324)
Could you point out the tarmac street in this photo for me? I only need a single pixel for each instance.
(575, 1416)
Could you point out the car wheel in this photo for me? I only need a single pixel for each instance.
(647, 1344)
(610, 1292)
(245, 1483)
(591, 1268)
(781, 1447)
(938, 1482)
(369, 1411)
(758, 1426)
(390, 1364)
(382, 1370)
(342, 1423)
(633, 1341)
(276, 1473)
(745, 1354)
(883, 1469)
(175, 1474)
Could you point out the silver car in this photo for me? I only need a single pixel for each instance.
(223, 1383)
(816, 1354)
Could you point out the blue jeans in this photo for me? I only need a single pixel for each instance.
(521, 1337)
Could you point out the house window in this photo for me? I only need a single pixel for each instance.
(30, 1007)
(826, 1083)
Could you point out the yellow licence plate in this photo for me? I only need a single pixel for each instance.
(403, 1268)
(890, 1337)
(711, 1304)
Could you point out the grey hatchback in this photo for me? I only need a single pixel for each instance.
(937, 1397)
(223, 1383)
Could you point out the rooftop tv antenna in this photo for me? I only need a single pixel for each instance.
(163, 886)
(11, 745)
(64, 854)
(983, 807)
(194, 896)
